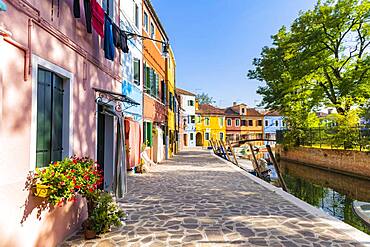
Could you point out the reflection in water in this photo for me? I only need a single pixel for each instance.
(332, 192)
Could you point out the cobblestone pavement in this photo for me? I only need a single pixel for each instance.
(197, 200)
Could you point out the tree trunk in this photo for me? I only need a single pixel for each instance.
(340, 110)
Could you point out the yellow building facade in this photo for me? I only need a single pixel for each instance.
(171, 86)
(209, 124)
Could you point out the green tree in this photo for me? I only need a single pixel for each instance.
(322, 60)
(204, 98)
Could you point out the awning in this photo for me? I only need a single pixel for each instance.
(106, 97)
(2, 6)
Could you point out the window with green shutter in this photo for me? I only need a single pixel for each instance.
(137, 71)
(148, 133)
(157, 85)
(163, 92)
(171, 99)
(147, 80)
(49, 136)
(152, 82)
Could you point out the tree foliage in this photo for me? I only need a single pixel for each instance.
(204, 98)
(321, 60)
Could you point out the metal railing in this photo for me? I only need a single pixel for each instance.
(337, 137)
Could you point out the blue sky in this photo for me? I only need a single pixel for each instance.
(215, 42)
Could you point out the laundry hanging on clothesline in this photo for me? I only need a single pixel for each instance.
(76, 9)
(97, 19)
(120, 38)
(88, 15)
(108, 39)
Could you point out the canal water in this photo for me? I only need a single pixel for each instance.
(332, 192)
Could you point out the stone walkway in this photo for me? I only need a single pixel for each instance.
(197, 200)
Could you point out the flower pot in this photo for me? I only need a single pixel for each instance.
(42, 190)
(90, 234)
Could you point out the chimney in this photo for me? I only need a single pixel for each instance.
(234, 103)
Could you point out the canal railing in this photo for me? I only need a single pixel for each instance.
(337, 137)
(226, 151)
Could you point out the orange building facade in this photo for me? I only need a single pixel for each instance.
(244, 123)
(155, 90)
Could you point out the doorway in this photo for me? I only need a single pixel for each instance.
(199, 139)
(105, 146)
(186, 140)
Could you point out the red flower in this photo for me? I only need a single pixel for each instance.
(78, 187)
(74, 161)
(62, 183)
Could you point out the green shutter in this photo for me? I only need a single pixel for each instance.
(57, 119)
(152, 82)
(148, 82)
(43, 136)
(137, 71)
(144, 75)
(150, 134)
(157, 86)
(144, 133)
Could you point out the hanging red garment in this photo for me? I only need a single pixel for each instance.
(133, 142)
(97, 18)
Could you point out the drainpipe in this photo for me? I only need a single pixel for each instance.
(28, 55)
(6, 35)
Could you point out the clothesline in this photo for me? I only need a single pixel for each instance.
(106, 28)
(99, 20)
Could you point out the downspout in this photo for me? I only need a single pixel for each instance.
(7, 37)
(30, 27)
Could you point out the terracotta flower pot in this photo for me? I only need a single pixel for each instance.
(90, 234)
(42, 190)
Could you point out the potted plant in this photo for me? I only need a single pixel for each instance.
(42, 190)
(103, 213)
(64, 180)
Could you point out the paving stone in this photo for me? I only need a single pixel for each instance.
(197, 200)
(106, 243)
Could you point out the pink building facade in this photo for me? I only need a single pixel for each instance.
(43, 46)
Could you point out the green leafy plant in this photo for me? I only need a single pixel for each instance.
(66, 179)
(103, 212)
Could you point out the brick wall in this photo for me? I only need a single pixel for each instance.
(354, 162)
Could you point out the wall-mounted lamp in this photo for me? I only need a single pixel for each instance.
(165, 50)
(165, 44)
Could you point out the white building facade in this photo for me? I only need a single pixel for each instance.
(132, 62)
(187, 101)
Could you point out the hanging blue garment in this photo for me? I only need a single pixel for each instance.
(2, 6)
(108, 39)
